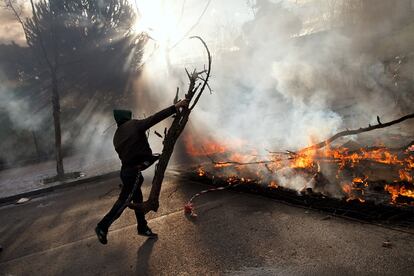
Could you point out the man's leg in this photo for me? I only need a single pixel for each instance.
(137, 198)
(128, 178)
(142, 225)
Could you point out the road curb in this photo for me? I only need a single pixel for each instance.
(62, 185)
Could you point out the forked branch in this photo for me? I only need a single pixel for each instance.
(194, 92)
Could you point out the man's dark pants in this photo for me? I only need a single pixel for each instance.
(132, 180)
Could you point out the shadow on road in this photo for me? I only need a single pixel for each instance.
(143, 256)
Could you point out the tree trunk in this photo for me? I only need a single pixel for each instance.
(38, 155)
(56, 121)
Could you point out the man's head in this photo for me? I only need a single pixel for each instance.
(121, 116)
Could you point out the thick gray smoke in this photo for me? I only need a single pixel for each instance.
(282, 82)
(289, 75)
(285, 73)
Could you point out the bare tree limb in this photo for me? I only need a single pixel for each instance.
(171, 136)
(236, 163)
(39, 33)
(193, 26)
(357, 131)
(10, 5)
(208, 85)
(176, 95)
(207, 74)
(292, 155)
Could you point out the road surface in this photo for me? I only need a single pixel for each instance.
(235, 234)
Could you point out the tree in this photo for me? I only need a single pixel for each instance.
(71, 39)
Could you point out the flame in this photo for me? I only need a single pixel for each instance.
(405, 176)
(410, 162)
(222, 165)
(201, 171)
(206, 147)
(235, 156)
(303, 161)
(355, 189)
(209, 147)
(273, 184)
(397, 191)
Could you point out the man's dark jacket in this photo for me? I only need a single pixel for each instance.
(130, 139)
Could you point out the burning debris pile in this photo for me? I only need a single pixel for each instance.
(350, 173)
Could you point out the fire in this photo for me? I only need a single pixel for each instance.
(343, 157)
(381, 155)
(236, 160)
(355, 190)
(208, 147)
(222, 165)
(201, 171)
(405, 176)
(303, 161)
(410, 162)
(273, 184)
(397, 191)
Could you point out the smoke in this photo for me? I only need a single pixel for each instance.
(285, 74)
(277, 86)
(18, 110)
(20, 124)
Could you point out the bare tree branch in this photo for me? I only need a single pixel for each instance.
(207, 74)
(171, 136)
(292, 155)
(192, 27)
(357, 131)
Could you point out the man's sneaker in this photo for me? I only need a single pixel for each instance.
(101, 235)
(146, 232)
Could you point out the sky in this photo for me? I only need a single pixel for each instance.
(10, 28)
(230, 11)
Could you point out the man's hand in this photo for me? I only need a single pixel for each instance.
(182, 103)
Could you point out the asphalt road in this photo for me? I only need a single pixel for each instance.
(235, 234)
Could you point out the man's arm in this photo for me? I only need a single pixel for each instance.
(161, 115)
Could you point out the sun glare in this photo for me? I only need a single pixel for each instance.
(167, 24)
(159, 20)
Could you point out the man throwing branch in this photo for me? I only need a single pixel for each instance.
(131, 144)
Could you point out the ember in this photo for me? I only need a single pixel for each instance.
(201, 171)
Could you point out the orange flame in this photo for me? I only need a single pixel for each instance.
(273, 185)
(342, 157)
(208, 147)
(201, 171)
(397, 191)
(405, 176)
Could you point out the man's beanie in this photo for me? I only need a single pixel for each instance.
(121, 116)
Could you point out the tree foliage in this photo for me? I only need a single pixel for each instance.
(91, 43)
(78, 50)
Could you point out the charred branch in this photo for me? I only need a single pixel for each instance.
(279, 156)
(358, 131)
(194, 92)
